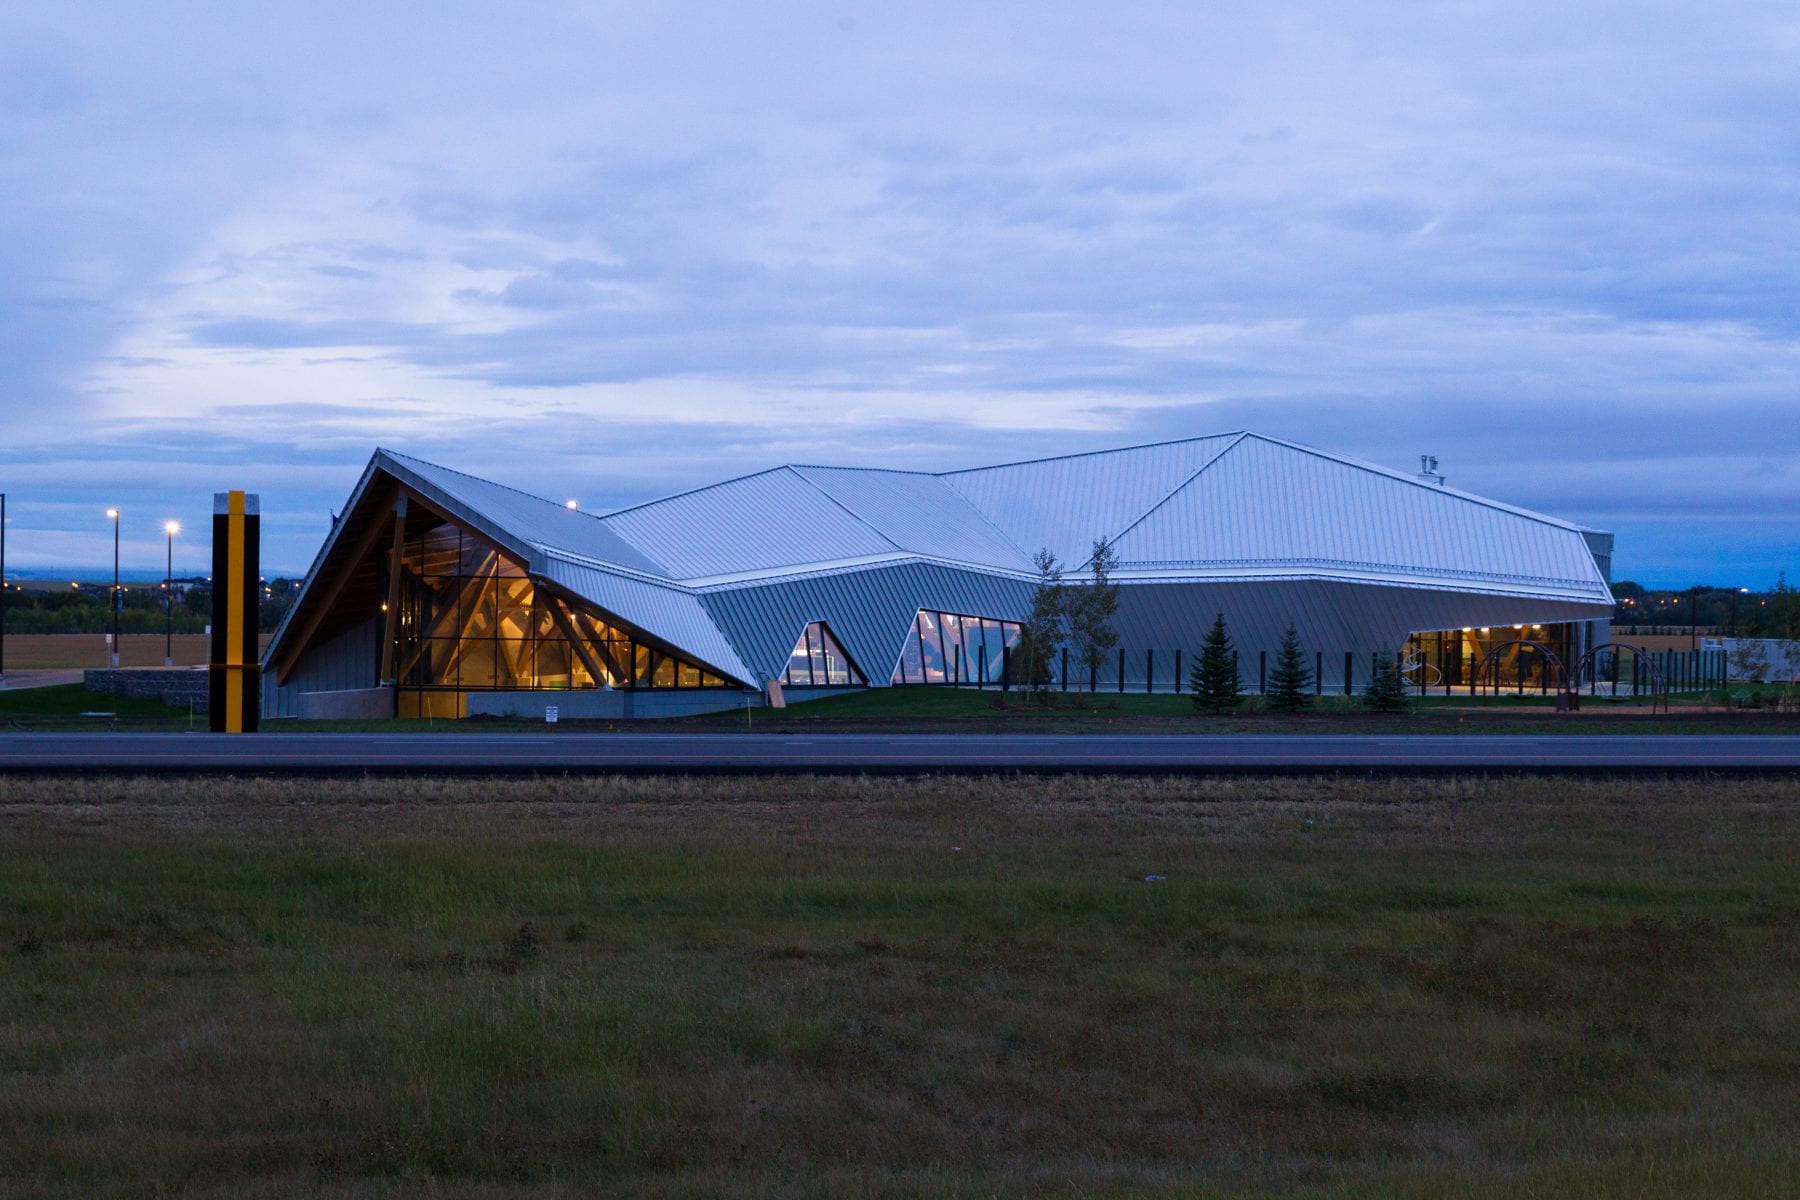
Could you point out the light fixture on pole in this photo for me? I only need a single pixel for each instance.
(116, 597)
(171, 528)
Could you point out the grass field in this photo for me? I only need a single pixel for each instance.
(941, 987)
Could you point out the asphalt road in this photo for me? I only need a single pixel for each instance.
(479, 753)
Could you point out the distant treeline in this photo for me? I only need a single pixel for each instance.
(1774, 613)
(86, 611)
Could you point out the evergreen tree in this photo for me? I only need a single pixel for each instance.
(1387, 690)
(1046, 628)
(1090, 611)
(1291, 684)
(1214, 679)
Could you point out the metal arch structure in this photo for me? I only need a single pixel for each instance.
(1490, 663)
(1659, 687)
(1419, 672)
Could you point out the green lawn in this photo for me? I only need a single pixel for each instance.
(72, 699)
(885, 988)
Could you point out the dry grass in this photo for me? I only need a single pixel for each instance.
(897, 987)
(40, 651)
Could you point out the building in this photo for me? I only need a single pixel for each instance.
(438, 593)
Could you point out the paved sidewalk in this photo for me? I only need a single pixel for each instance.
(18, 681)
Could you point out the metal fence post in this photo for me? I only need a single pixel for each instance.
(1262, 672)
(1318, 672)
(1149, 671)
(1178, 672)
(1349, 662)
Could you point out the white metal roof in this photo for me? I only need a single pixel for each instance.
(530, 520)
(769, 520)
(921, 513)
(1231, 507)
(1265, 508)
(1065, 504)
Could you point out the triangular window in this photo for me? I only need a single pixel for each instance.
(818, 661)
(957, 649)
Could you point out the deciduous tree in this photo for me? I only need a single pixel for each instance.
(1091, 609)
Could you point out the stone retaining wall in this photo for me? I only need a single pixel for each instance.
(174, 686)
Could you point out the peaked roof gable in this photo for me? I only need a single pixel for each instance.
(1265, 503)
(518, 518)
(759, 522)
(1064, 504)
(918, 512)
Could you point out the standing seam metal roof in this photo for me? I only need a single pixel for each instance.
(921, 513)
(731, 573)
(772, 519)
(530, 519)
(1342, 514)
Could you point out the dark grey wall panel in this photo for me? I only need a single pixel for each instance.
(870, 611)
(342, 663)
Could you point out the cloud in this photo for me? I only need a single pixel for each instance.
(1555, 247)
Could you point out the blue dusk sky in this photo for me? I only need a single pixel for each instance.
(611, 251)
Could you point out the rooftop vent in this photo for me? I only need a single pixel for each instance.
(1428, 472)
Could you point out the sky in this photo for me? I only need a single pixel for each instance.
(609, 252)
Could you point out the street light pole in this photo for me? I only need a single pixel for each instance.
(114, 514)
(169, 597)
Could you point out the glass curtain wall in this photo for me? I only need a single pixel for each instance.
(956, 649)
(818, 661)
(1457, 658)
(470, 620)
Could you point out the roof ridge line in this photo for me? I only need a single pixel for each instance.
(1438, 490)
(325, 547)
(950, 490)
(871, 470)
(854, 515)
(1027, 462)
(404, 459)
(602, 564)
(631, 508)
(1177, 489)
(505, 487)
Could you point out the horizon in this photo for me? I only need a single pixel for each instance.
(37, 572)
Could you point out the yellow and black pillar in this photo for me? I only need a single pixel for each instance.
(234, 685)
